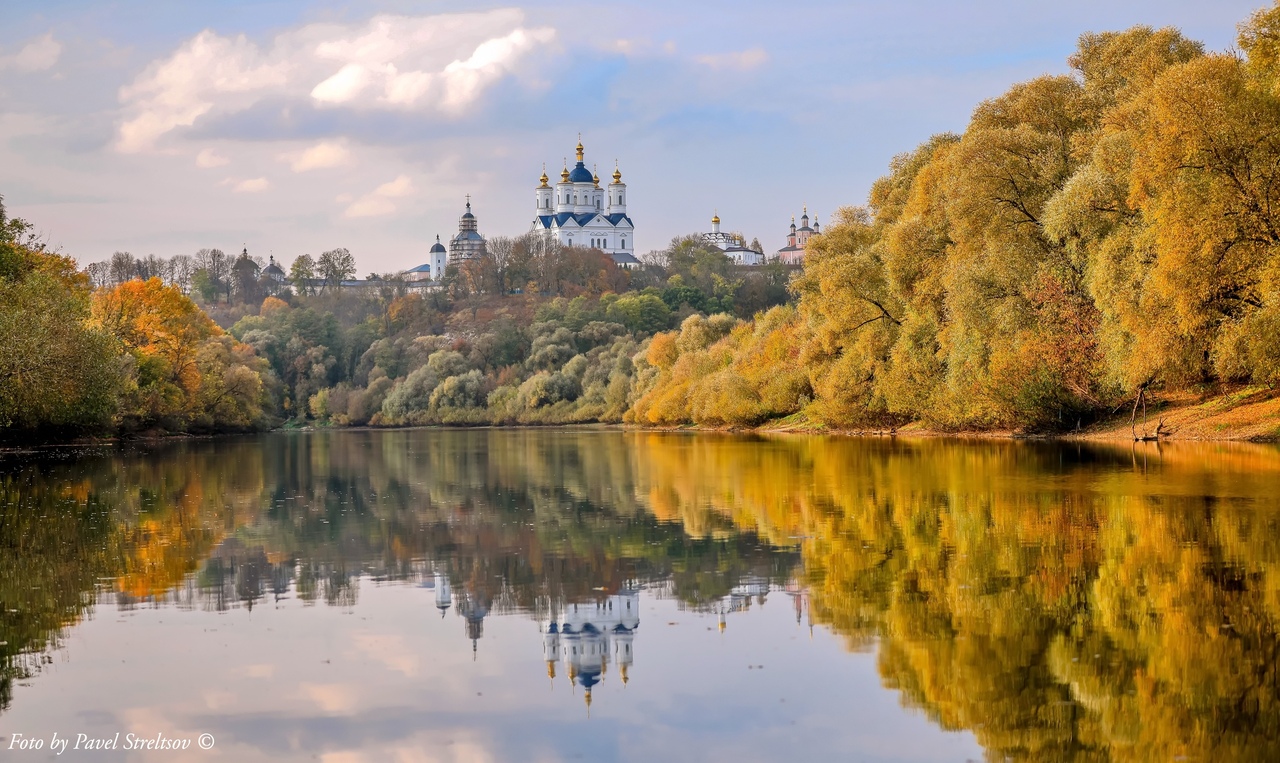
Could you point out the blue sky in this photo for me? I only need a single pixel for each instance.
(294, 127)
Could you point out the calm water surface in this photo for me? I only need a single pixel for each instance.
(529, 595)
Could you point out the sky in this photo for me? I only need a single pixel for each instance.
(297, 127)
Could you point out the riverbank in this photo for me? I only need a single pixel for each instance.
(1245, 414)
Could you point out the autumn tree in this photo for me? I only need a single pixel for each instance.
(335, 266)
(57, 373)
(302, 274)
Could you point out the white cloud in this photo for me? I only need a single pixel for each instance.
(440, 63)
(378, 202)
(320, 156)
(205, 71)
(39, 54)
(253, 185)
(343, 86)
(742, 60)
(401, 186)
(208, 158)
(638, 47)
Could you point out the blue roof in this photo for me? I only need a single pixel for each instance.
(558, 220)
(437, 247)
(581, 174)
(420, 269)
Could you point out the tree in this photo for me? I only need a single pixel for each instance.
(181, 268)
(56, 372)
(123, 267)
(217, 270)
(336, 266)
(162, 330)
(302, 273)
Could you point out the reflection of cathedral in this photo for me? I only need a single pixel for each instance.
(584, 640)
(739, 598)
(587, 637)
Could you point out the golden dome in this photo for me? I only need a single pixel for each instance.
(595, 177)
(551, 668)
(624, 674)
(716, 219)
(617, 174)
(544, 177)
(564, 173)
(579, 148)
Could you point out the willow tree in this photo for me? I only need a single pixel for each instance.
(56, 372)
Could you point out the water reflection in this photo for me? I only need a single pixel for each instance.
(1058, 602)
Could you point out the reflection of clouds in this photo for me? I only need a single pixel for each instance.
(219, 700)
(331, 698)
(147, 722)
(390, 650)
(260, 671)
(397, 733)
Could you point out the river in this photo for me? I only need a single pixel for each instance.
(597, 594)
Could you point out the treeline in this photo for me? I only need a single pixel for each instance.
(138, 344)
(1089, 237)
(136, 356)
(688, 271)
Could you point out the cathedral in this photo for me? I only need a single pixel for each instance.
(468, 243)
(798, 239)
(578, 212)
(732, 245)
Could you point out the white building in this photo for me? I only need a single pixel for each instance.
(731, 246)
(432, 269)
(578, 212)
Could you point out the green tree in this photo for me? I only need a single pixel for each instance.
(335, 266)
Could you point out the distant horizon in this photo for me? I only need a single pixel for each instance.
(292, 129)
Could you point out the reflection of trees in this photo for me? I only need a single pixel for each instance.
(523, 521)
(1062, 604)
(56, 540)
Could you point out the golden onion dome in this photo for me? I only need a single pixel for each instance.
(544, 177)
(564, 173)
(579, 148)
(595, 177)
(617, 173)
(716, 219)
